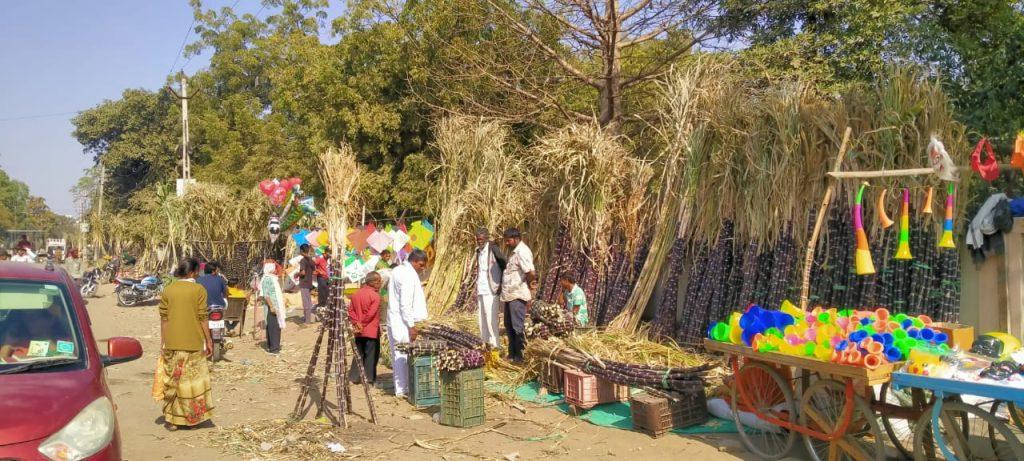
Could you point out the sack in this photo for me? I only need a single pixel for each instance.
(989, 167)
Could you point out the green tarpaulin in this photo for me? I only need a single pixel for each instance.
(615, 414)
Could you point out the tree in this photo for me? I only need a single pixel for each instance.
(534, 50)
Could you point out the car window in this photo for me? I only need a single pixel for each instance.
(36, 324)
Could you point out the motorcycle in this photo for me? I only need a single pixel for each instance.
(90, 282)
(131, 291)
(110, 271)
(218, 332)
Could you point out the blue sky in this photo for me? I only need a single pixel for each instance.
(64, 56)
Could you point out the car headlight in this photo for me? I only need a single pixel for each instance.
(87, 433)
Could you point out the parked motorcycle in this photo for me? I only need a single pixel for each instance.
(90, 282)
(110, 270)
(131, 291)
(218, 332)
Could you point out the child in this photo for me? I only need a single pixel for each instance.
(575, 299)
(364, 312)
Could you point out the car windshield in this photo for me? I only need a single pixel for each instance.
(36, 325)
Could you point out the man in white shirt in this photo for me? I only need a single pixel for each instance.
(516, 292)
(490, 263)
(23, 256)
(407, 305)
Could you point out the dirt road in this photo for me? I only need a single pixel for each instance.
(254, 393)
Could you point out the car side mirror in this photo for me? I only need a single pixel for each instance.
(121, 349)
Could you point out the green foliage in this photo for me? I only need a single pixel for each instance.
(20, 210)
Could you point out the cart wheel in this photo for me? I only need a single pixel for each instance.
(901, 430)
(970, 444)
(822, 408)
(1006, 412)
(770, 394)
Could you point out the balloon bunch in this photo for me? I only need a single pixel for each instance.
(856, 337)
(291, 205)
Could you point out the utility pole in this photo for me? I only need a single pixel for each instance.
(103, 179)
(186, 162)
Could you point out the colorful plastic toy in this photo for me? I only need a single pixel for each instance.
(903, 249)
(947, 224)
(863, 255)
(883, 218)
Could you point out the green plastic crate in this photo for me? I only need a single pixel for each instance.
(424, 385)
(462, 398)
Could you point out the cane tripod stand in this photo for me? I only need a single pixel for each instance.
(335, 323)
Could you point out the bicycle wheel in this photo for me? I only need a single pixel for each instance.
(769, 394)
(973, 444)
(1005, 412)
(900, 429)
(821, 409)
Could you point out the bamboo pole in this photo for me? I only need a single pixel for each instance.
(812, 243)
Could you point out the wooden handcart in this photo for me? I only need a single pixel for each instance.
(835, 416)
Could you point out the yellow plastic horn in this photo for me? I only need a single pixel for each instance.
(883, 218)
(903, 250)
(862, 259)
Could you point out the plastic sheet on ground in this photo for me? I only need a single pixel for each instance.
(615, 414)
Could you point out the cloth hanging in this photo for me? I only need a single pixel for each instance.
(1017, 158)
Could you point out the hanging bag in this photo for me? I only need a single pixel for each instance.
(989, 167)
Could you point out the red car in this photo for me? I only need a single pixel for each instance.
(54, 400)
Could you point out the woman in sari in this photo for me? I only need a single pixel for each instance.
(186, 344)
(273, 306)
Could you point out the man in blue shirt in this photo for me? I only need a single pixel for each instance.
(216, 287)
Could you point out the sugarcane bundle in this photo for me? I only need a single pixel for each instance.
(685, 379)
(549, 287)
(455, 337)
(547, 320)
(460, 358)
(664, 323)
(423, 347)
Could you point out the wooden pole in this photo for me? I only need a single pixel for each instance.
(822, 211)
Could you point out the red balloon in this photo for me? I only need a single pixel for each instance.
(278, 196)
(286, 183)
(296, 181)
(266, 186)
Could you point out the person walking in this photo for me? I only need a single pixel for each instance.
(407, 305)
(490, 263)
(364, 313)
(307, 270)
(516, 294)
(185, 344)
(272, 298)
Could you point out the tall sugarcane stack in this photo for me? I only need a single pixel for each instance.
(664, 322)
(689, 379)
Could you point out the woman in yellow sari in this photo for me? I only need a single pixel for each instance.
(186, 344)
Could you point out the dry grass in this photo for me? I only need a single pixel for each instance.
(339, 173)
(480, 184)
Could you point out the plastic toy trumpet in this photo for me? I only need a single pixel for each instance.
(863, 256)
(947, 225)
(903, 250)
(883, 218)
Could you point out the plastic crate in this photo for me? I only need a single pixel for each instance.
(580, 388)
(424, 382)
(552, 377)
(608, 391)
(655, 415)
(462, 398)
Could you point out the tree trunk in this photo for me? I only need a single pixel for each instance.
(611, 87)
